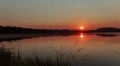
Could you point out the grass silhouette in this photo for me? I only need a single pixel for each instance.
(9, 58)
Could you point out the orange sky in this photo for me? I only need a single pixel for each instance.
(60, 14)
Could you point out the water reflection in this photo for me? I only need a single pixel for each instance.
(107, 35)
(81, 35)
(12, 37)
(15, 38)
(98, 47)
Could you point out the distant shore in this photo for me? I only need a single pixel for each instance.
(20, 30)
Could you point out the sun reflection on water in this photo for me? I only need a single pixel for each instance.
(81, 35)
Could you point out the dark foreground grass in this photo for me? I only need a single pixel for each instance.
(9, 58)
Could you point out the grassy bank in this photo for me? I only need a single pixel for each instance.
(9, 58)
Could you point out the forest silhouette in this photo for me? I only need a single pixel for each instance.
(19, 30)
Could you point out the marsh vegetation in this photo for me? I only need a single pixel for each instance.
(9, 58)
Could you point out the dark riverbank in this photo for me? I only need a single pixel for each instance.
(19, 30)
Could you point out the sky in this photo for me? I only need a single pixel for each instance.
(60, 14)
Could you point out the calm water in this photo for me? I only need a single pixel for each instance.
(100, 46)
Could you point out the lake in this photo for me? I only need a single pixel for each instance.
(103, 47)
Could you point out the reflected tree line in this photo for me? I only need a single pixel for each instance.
(25, 33)
(9, 58)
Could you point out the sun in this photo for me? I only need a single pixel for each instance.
(81, 27)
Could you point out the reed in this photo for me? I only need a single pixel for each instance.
(9, 58)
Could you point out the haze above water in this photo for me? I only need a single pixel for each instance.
(98, 46)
